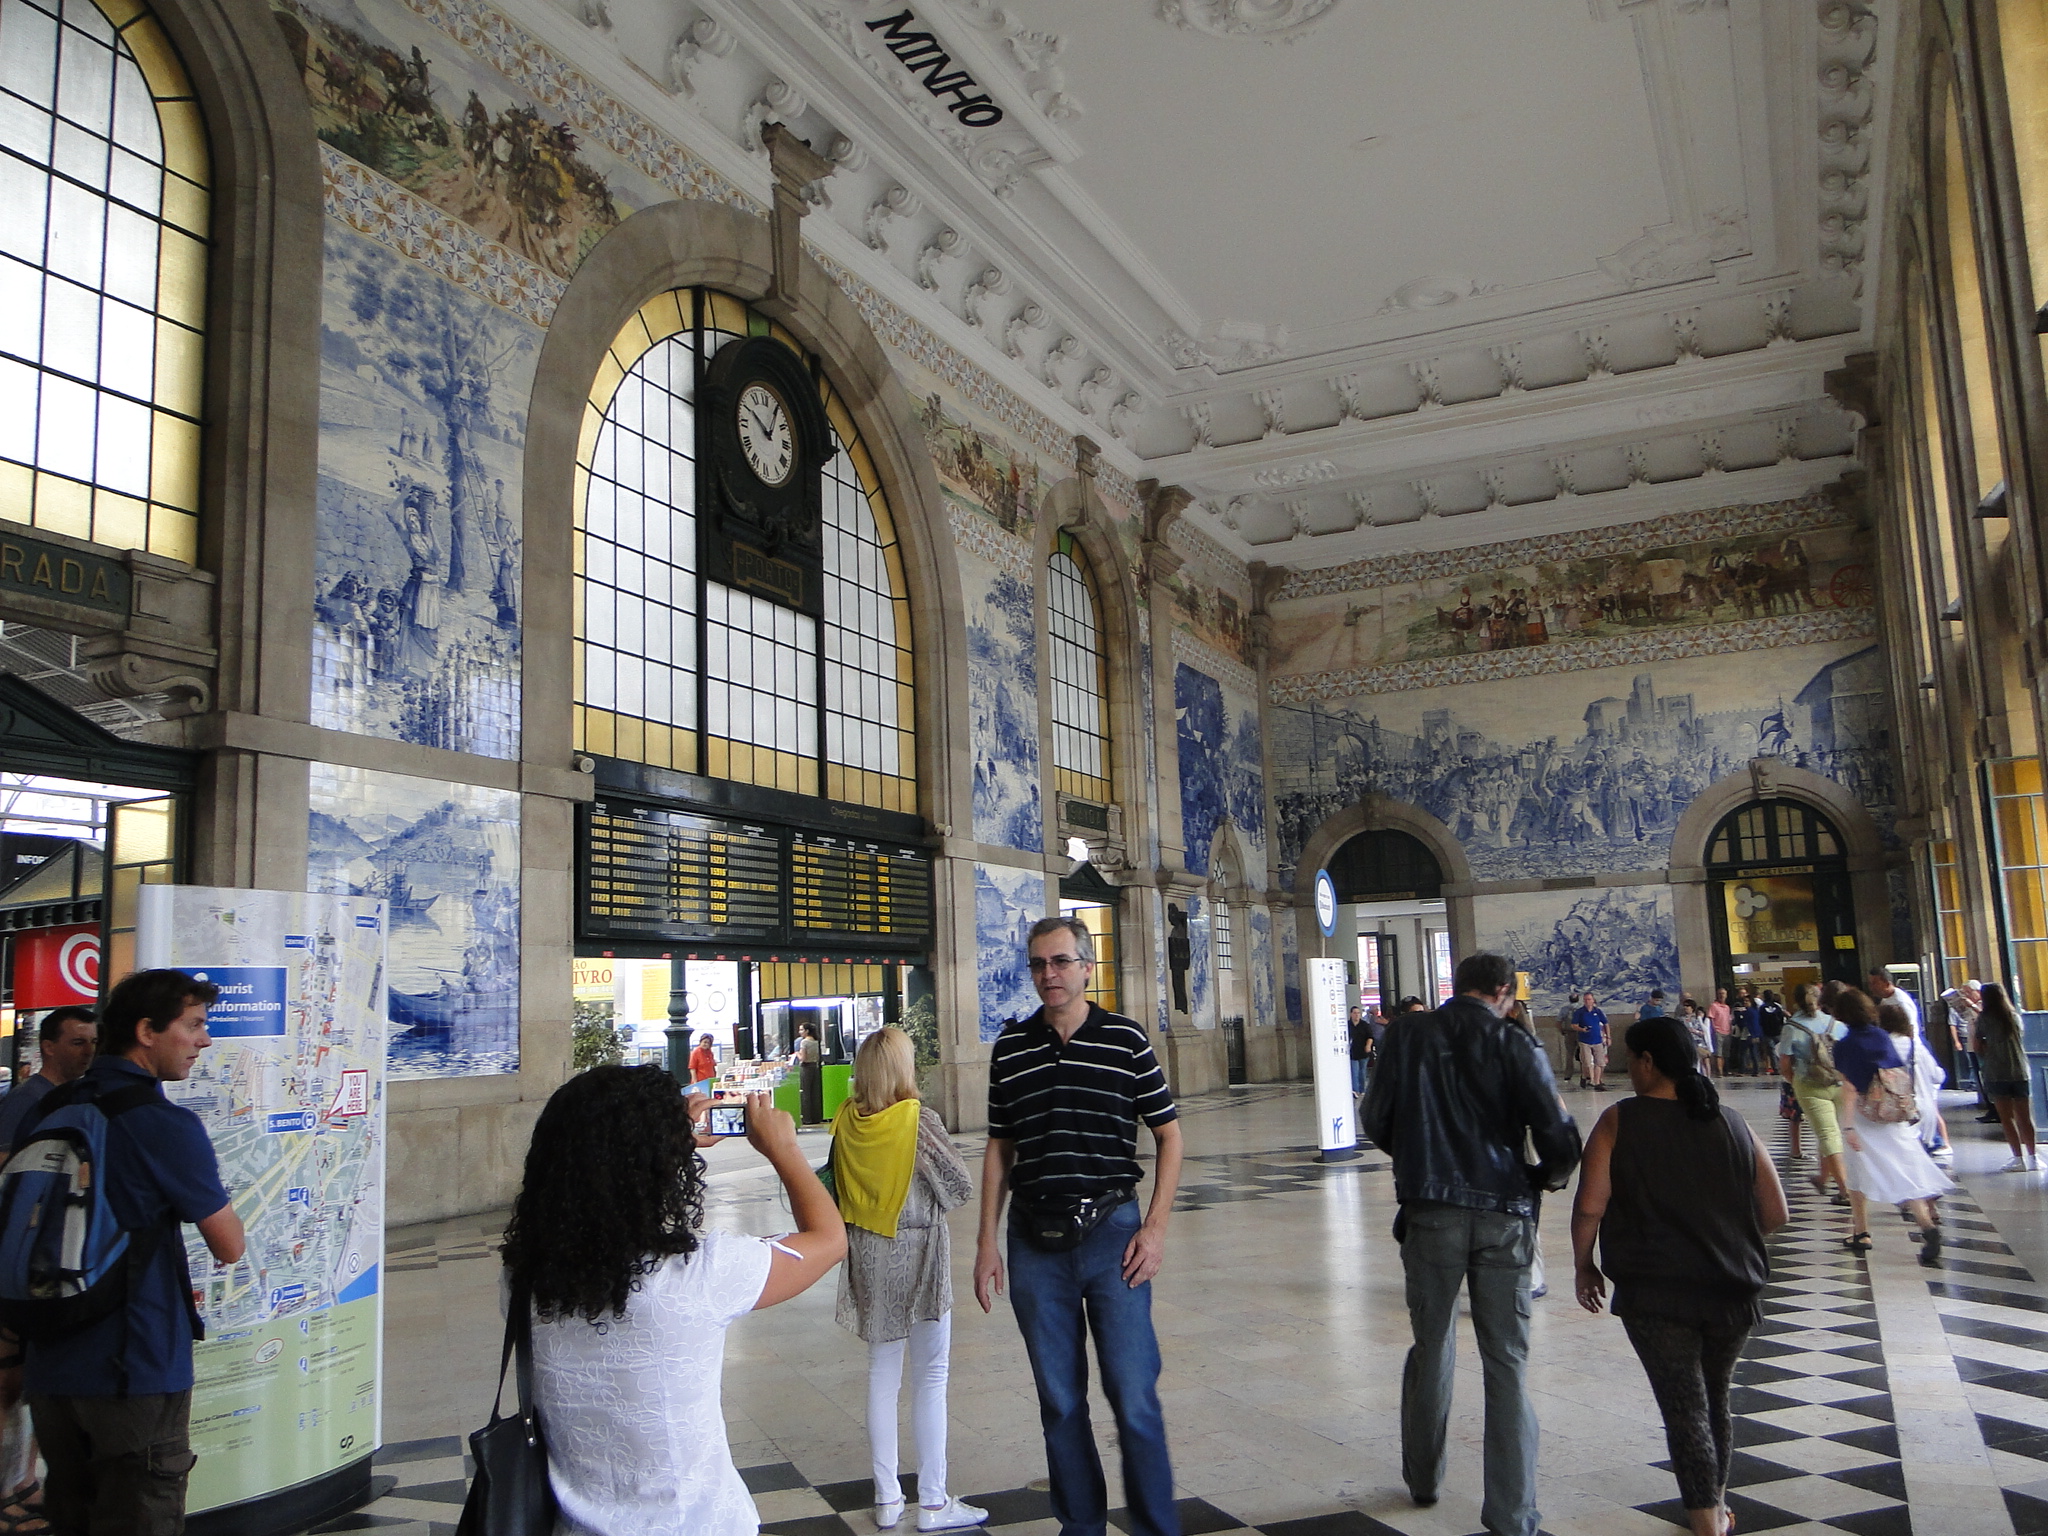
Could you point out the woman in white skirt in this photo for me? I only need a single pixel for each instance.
(1887, 1162)
(896, 1174)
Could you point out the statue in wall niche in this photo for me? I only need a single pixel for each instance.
(1177, 954)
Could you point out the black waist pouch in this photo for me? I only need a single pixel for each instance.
(1061, 1225)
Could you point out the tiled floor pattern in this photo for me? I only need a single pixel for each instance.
(1817, 1448)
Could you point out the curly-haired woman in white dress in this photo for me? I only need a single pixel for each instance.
(631, 1300)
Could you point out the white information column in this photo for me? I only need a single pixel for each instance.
(1330, 1047)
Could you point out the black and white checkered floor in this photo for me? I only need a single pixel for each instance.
(1819, 1449)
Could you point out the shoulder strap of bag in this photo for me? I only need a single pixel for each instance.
(519, 1344)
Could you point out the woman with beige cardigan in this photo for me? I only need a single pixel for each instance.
(896, 1174)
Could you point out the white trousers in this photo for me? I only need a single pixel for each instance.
(929, 1346)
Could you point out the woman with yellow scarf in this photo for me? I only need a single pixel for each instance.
(896, 1175)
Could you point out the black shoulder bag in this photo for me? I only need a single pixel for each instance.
(510, 1496)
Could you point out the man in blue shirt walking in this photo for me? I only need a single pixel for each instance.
(1591, 1025)
(112, 1402)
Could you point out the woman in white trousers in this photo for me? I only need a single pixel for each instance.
(896, 1174)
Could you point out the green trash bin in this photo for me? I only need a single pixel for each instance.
(838, 1089)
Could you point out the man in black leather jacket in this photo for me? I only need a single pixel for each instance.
(1454, 1098)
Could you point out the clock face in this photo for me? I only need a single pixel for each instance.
(767, 437)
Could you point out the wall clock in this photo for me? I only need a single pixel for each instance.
(767, 436)
(765, 444)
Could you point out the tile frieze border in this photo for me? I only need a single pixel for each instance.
(1672, 644)
(978, 536)
(1203, 657)
(1801, 514)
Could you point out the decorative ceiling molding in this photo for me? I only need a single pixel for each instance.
(1424, 293)
(1848, 106)
(1035, 55)
(1260, 21)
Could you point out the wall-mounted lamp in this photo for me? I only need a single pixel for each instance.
(1927, 682)
(2041, 321)
(1996, 502)
(1954, 611)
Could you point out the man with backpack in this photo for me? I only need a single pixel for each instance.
(109, 1360)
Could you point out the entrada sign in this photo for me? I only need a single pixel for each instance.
(925, 57)
(38, 569)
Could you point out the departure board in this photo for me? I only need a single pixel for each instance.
(839, 885)
(663, 874)
(657, 875)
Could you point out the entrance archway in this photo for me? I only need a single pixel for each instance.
(1861, 852)
(1779, 901)
(1386, 853)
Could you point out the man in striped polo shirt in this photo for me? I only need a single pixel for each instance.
(1066, 1090)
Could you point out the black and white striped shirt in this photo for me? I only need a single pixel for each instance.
(1072, 1109)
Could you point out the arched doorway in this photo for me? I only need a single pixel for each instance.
(1390, 898)
(1779, 900)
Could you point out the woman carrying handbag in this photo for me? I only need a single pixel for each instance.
(896, 1174)
(629, 1303)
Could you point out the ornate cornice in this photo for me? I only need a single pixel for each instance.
(1795, 516)
(1578, 656)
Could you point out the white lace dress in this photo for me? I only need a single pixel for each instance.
(630, 1407)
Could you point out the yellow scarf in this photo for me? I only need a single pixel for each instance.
(873, 1157)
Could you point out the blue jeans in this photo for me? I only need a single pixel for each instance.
(1358, 1074)
(1448, 1246)
(1059, 1299)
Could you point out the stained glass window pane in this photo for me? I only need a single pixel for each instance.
(101, 299)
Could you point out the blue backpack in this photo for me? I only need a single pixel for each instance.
(65, 1262)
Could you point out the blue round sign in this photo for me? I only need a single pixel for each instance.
(1326, 903)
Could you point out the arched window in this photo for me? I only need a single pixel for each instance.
(1773, 832)
(1080, 679)
(103, 231)
(678, 670)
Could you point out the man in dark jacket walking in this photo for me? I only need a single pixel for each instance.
(1455, 1096)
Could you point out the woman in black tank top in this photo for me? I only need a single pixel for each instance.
(1680, 1196)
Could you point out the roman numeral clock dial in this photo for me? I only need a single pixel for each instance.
(767, 437)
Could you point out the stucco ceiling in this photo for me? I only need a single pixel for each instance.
(1303, 184)
(1361, 275)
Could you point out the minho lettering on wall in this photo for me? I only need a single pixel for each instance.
(924, 56)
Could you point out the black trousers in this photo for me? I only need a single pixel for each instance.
(117, 1465)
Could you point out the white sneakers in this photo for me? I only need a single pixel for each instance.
(2019, 1165)
(950, 1516)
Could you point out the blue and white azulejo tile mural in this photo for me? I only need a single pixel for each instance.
(446, 858)
(1002, 650)
(1221, 772)
(1006, 903)
(423, 396)
(1616, 944)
